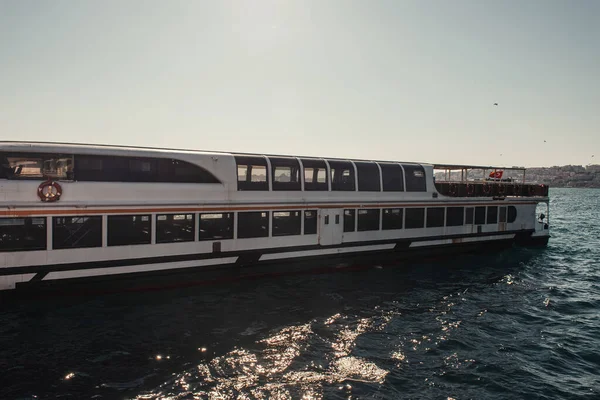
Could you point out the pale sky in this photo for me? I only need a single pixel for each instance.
(393, 80)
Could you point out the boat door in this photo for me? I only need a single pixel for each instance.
(330, 227)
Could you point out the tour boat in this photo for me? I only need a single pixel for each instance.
(72, 215)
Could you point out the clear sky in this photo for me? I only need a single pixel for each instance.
(399, 80)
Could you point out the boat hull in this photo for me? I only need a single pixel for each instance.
(170, 272)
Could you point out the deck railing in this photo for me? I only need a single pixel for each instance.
(491, 189)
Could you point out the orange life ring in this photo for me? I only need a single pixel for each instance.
(49, 191)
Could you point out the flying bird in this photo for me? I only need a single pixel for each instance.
(495, 104)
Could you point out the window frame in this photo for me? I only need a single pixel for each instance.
(318, 165)
(391, 181)
(368, 176)
(249, 162)
(285, 162)
(337, 175)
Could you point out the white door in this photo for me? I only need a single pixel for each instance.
(330, 227)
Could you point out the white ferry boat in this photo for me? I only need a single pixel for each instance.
(73, 214)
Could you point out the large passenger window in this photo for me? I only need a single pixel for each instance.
(286, 223)
(17, 234)
(479, 215)
(415, 178)
(492, 215)
(252, 173)
(392, 218)
(128, 230)
(96, 168)
(349, 220)
(76, 232)
(415, 218)
(36, 166)
(512, 214)
(368, 220)
(175, 228)
(342, 175)
(392, 176)
(469, 216)
(435, 217)
(253, 224)
(368, 177)
(455, 216)
(216, 226)
(310, 222)
(285, 173)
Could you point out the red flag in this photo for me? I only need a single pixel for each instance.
(496, 175)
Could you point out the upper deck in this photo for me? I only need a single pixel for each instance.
(121, 174)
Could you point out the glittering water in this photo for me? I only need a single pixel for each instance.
(520, 324)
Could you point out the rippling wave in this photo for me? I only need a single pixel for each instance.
(518, 324)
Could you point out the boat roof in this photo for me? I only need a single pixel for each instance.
(63, 146)
(71, 146)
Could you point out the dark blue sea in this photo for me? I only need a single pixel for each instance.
(521, 324)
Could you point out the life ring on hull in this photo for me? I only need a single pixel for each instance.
(49, 191)
(452, 189)
(501, 188)
(516, 189)
(470, 189)
(486, 188)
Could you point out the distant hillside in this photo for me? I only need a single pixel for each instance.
(566, 176)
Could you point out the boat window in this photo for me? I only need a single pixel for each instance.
(76, 232)
(126, 230)
(286, 223)
(479, 215)
(415, 178)
(393, 179)
(252, 173)
(469, 216)
(315, 174)
(94, 168)
(172, 228)
(310, 222)
(435, 217)
(455, 216)
(512, 214)
(253, 224)
(216, 226)
(415, 218)
(392, 218)
(368, 177)
(285, 172)
(368, 220)
(502, 217)
(19, 234)
(342, 175)
(492, 215)
(36, 166)
(349, 218)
